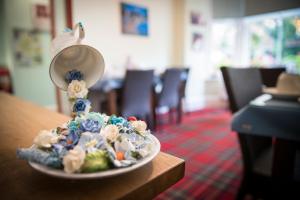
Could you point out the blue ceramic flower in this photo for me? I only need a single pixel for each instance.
(59, 149)
(116, 120)
(81, 106)
(127, 124)
(47, 158)
(96, 117)
(71, 139)
(73, 125)
(73, 75)
(90, 125)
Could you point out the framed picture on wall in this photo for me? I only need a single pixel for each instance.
(134, 19)
(197, 41)
(27, 47)
(41, 17)
(196, 18)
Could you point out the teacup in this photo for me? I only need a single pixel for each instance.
(70, 54)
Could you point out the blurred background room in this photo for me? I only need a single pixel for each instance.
(190, 49)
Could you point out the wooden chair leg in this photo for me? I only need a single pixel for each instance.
(153, 109)
(154, 122)
(241, 192)
(284, 154)
(154, 118)
(179, 112)
(112, 102)
(151, 121)
(170, 116)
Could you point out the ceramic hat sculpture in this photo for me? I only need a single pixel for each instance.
(70, 54)
(287, 84)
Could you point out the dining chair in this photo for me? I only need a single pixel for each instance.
(171, 94)
(242, 86)
(137, 99)
(270, 75)
(184, 79)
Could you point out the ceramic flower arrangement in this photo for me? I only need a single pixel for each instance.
(90, 141)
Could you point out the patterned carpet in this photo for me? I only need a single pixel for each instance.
(211, 152)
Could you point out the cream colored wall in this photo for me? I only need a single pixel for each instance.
(102, 22)
(178, 32)
(199, 61)
(29, 82)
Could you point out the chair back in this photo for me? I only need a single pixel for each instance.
(270, 75)
(170, 94)
(137, 93)
(184, 78)
(242, 86)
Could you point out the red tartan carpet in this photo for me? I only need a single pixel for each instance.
(211, 152)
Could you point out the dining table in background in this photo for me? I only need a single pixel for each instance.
(108, 90)
(21, 121)
(275, 118)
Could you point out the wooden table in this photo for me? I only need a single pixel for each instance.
(269, 117)
(279, 119)
(20, 122)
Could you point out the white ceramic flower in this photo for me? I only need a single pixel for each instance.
(87, 109)
(146, 150)
(91, 143)
(110, 132)
(105, 118)
(74, 160)
(77, 89)
(45, 139)
(124, 145)
(139, 126)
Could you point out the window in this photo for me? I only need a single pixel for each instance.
(274, 39)
(264, 40)
(223, 43)
(291, 42)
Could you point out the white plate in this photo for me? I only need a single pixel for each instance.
(108, 173)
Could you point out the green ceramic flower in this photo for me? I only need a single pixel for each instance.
(96, 161)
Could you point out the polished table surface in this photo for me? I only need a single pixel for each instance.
(267, 116)
(20, 122)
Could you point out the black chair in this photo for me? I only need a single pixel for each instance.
(184, 79)
(243, 85)
(137, 95)
(270, 75)
(170, 95)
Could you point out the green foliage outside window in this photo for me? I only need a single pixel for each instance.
(291, 41)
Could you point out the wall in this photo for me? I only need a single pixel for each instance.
(3, 61)
(31, 83)
(102, 22)
(178, 32)
(198, 61)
